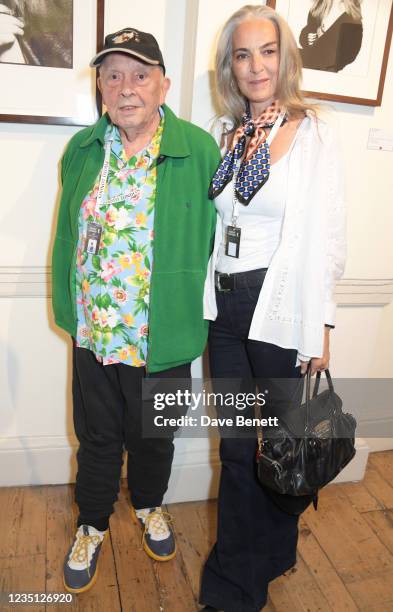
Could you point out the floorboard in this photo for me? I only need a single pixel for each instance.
(345, 552)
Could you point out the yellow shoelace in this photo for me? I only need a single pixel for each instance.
(159, 522)
(81, 552)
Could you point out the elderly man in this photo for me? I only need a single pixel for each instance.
(133, 239)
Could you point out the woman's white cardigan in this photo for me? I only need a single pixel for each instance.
(297, 296)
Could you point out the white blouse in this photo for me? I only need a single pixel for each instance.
(297, 295)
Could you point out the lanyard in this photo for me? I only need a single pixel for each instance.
(104, 174)
(235, 204)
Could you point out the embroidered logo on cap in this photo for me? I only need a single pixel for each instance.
(125, 36)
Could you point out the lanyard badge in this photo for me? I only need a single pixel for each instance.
(233, 233)
(93, 238)
(94, 229)
(232, 247)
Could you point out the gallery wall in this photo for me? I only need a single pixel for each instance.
(36, 437)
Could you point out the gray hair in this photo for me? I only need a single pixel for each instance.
(320, 8)
(231, 101)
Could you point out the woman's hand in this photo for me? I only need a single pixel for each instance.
(319, 363)
(10, 26)
(311, 38)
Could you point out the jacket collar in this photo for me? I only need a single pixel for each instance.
(97, 131)
(173, 143)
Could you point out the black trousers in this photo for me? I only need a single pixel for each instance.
(256, 541)
(108, 411)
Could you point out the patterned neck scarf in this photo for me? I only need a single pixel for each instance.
(255, 168)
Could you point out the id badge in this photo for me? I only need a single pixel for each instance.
(93, 238)
(233, 241)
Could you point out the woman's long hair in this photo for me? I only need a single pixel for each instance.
(231, 101)
(320, 8)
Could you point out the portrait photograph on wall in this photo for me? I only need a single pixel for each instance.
(344, 45)
(36, 32)
(45, 47)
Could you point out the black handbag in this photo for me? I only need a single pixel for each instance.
(309, 447)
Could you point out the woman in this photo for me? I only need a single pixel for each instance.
(36, 32)
(333, 35)
(278, 250)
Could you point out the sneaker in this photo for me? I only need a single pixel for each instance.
(157, 538)
(80, 564)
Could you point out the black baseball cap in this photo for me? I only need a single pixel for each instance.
(133, 42)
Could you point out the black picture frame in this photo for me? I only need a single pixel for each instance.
(73, 118)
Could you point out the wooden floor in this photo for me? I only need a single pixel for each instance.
(345, 560)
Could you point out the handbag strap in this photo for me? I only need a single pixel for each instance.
(318, 379)
(315, 393)
(308, 410)
(259, 428)
(308, 393)
(308, 401)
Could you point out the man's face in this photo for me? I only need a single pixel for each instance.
(131, 90)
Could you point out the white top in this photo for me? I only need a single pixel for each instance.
(297, 295)
(260, 221)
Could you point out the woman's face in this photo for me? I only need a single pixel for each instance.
(255, 61)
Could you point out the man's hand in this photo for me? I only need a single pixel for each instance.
(319, 363)
(10, 26)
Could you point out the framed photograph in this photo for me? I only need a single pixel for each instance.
(344, 46)
(45, 50)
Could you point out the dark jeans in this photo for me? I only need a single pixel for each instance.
(108, 410)
(256, 541)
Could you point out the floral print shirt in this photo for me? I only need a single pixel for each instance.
(113, 286)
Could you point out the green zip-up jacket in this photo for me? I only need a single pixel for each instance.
(184, 223)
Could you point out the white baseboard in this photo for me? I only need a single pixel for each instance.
(194, 480)
(195, 473)
(37, 460)
(379, 444)
(356, 468)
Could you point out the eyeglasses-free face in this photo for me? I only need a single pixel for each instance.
(256, 61)
(132, 91)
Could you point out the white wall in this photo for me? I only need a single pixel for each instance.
(36, 435)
